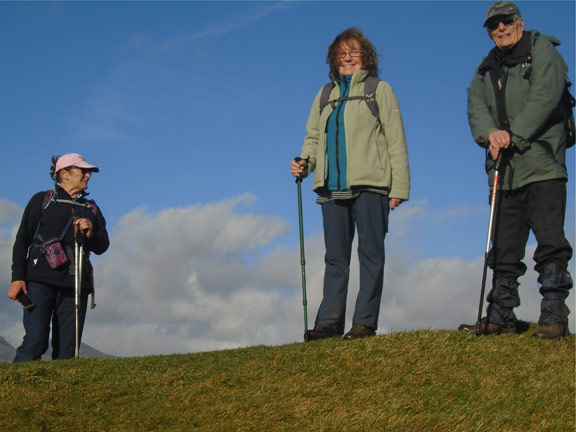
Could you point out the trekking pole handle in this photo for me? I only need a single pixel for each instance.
(79, 234)
(299, 177)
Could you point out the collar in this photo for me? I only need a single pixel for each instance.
(62, 193)
(358, 76)
(519, 53)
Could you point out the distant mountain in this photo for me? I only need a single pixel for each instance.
(7, 352)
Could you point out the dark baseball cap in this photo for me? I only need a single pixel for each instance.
(502, 8)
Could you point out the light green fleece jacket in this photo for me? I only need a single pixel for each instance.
(374, 158)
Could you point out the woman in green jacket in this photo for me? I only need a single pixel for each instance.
(361, 170)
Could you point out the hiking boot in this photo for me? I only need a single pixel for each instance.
(551, 331)
(319, 332)
(496, 329)
(359, 331)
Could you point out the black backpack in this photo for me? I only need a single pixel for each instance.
(568, 103)
(370, 84)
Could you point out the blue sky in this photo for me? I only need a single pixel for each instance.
(193, 110)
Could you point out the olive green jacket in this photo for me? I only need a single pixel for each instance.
(533, 106)
(373, 158)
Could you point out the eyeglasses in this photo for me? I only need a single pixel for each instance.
(354, 53)
(495, 23)
(84, 170)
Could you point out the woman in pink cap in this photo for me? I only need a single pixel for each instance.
(43, 259)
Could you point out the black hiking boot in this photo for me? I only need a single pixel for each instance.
(359, 331)
(551, 331)
(319, 332)
(516, 327)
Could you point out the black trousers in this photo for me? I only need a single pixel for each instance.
(539, 207)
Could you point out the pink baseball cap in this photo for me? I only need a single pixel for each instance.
(73, 159)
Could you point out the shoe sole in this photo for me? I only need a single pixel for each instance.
(556, 338)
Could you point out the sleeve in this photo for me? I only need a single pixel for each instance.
(313, 135)
(546, 87)
(25, 236)
(480, 119)
(391, 120)
(100, 241)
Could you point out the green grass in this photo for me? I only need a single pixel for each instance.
(412, 381)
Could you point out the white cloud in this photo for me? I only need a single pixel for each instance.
(9, 212)
(10, 215)
(195, 279)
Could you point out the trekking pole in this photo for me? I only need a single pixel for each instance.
(302, 256)
(78, 258)
(488, 241)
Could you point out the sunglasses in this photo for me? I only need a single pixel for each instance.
(495, 23)
(84, 170)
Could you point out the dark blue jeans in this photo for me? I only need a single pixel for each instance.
(54, 305)
(368, 214)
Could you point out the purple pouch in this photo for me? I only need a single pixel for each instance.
(54, 253)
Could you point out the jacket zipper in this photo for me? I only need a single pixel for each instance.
(339, 179)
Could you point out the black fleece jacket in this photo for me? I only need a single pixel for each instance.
(28, 262)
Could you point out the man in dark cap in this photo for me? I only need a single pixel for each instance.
(515, 112)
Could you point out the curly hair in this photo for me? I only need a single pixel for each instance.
(369, 54)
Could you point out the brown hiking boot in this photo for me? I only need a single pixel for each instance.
(552, 331)
(320, 332)
(495, 329)
(359, 331)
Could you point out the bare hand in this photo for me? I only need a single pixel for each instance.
(297, 168)
(15, 288)
(84, 226)
(395, 202)
(499, 139)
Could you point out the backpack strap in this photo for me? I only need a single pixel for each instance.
(64, 231)
(88, 204)
(499, 86)
(93, 206)
(51, 197)
(370, 85)
(568, 104)
(325, 96)
(48, 198)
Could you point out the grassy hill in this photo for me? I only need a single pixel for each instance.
(413, 381)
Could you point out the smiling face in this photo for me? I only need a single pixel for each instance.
(506, 31)
(349, 57)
